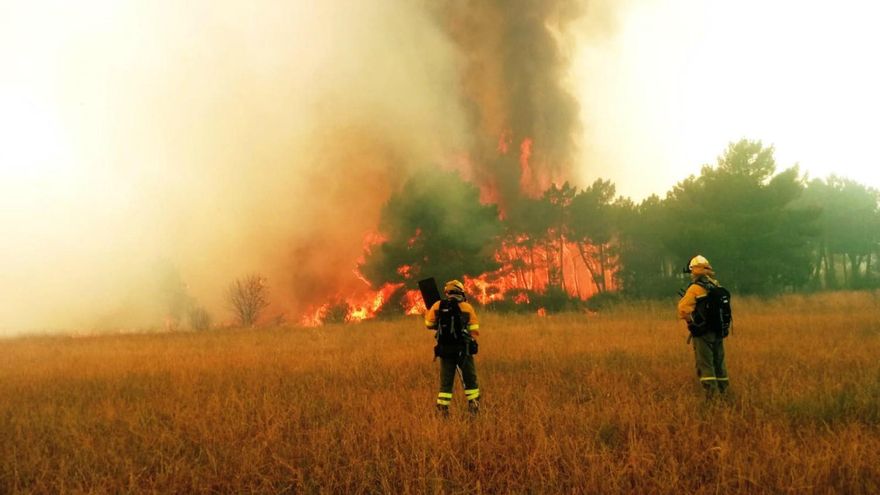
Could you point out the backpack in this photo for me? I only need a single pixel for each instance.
(712, 313)
(453, 338)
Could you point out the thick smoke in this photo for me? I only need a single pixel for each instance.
(514, 62)
(193, 143)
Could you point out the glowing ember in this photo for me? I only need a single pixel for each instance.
(412, 241)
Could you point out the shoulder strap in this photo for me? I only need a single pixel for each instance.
(451, 304)
(449, 308)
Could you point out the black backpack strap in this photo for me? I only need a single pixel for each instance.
(450, 336)
(704, 284)
(449, 315)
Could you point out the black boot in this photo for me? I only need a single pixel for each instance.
(474, 406)
(442, 411)
(711, 390)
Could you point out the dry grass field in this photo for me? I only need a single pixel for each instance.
(603, 403)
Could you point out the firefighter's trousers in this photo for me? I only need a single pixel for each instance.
(448, 366)
(711, 368)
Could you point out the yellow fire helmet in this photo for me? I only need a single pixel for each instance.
(699, 261)
(453, 286)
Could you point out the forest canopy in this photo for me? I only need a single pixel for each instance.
(765, 230)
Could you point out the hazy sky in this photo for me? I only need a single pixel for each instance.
(211, 139)
(679, 79)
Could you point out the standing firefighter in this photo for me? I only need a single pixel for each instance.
(705, 307)
(456, 325)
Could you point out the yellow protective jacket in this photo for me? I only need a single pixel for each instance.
(688, 302)
(469, 316)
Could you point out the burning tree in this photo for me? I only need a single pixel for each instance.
(248, 297)
(557, 200)
(592, 228)
(522, 125)
(434, 226)
(541, 254)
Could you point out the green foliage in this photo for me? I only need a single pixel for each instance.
(595, 221)
(437, 227)
(556, 300)
(745, 220)
(764, 232)
(556, 208)
(593, 215)
(605, 300)
(849, 237)
(647, 268)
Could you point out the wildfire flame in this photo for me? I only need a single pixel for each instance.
(357, 307)
(526, 181)
(526, 267)
(413, 303)
(514, 281)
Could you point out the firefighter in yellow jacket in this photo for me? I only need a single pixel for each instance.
(709, 346)
(456, 330)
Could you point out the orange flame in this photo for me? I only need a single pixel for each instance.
(315, 317)
(526, 266)
(371, 304)
(413, 303)
(525, 269)
(404, 271)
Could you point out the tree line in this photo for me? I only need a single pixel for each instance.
(765, 231)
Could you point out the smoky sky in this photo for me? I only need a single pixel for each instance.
(206, 141)
(513, 59)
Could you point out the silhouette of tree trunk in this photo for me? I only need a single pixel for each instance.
(248, 297)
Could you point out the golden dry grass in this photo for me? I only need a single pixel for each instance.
(604, 403)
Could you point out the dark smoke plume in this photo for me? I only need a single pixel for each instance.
(513, 71)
